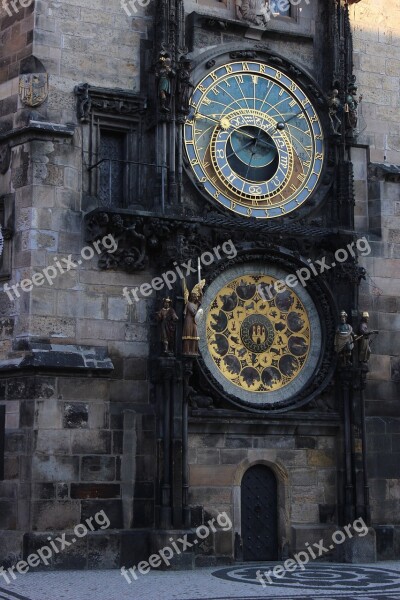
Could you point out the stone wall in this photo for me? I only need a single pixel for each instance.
(304, 462)
(376, 26)
(64, 432)
(16, 41)
(293, 38)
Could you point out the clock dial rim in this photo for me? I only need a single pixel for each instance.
(309, 88)
(270, 399)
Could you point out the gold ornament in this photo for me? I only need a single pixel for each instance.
(258, 339)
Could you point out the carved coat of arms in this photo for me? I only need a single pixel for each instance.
(33, 88)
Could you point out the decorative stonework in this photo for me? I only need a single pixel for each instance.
(92, 99)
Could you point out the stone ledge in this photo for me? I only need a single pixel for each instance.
(59, 356)
(38, 127)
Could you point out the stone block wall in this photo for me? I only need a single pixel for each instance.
(65, 458)
(305, 467)
(65, 437)
(17, 28)
(292, 38)
(376, 26)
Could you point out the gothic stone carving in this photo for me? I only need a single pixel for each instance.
(104, 100)
(256, 12)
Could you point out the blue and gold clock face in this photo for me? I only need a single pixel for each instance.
(254, 140)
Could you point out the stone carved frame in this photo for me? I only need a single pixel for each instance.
(223, 14)
(211, 59)
(267, 458)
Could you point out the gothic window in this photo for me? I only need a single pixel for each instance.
(7, 226)
(113, 154)
(116, 174)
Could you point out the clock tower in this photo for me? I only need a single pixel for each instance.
(267, 413)
(259, 412)
(214, 201)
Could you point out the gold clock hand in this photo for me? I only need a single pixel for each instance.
(206, 117)
(240, 149)
(223, 122)
(281, 124)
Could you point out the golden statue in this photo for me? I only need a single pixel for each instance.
(192, 316)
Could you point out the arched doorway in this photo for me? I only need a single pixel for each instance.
(259, 509)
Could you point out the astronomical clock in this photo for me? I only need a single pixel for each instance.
(254, 140)
(256, 149)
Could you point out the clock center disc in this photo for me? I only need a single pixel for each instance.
(257, 333)
(252, 153)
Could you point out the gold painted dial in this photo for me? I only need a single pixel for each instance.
(254, 140)
(259, 340)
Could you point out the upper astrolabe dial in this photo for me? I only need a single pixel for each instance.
(254, 140)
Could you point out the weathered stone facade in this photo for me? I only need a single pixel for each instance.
(377, 61)
(84, 389)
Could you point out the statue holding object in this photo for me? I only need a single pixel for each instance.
(364, 341)
(184, 85)
(335, 111)
(344, 340)
(164, 75)
(193, 315)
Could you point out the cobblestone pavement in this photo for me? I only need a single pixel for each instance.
(317, 582)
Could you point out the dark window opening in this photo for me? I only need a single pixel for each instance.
(112, 169)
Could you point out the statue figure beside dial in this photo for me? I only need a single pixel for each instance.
(254, 140)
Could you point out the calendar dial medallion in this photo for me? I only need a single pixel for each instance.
(261, 346)
(258, 345)
(254, 140)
